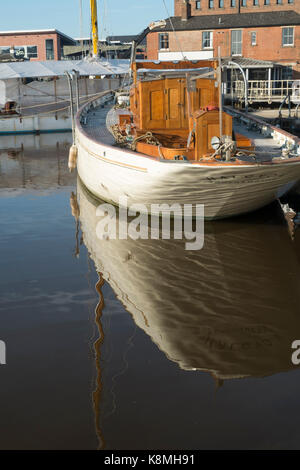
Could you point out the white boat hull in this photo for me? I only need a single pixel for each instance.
(225, 190)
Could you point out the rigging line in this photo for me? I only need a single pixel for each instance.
(81, 26)
(175, 34)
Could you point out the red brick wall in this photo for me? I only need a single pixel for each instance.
(268, 39)
(38, 40)
(228, 9)
(152, 46)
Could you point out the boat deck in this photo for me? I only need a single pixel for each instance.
(95, 127)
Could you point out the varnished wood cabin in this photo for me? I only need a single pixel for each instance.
(181, 111)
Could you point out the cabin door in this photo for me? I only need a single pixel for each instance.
(152, 105)
(176, 103)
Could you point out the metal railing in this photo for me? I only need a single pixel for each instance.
(261, 90)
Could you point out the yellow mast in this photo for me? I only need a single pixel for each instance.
(94, 27)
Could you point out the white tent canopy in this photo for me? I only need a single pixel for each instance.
(53, 68)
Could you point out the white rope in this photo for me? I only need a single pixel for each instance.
(62, 101)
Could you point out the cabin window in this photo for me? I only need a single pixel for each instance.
(253, 38)
(287, 36)
(236, 42)
(164, 41)
(233, 3)
(198, 5)
(49, 49)
(210, 3)
(207, 40)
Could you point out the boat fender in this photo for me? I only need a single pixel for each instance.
(72, 157)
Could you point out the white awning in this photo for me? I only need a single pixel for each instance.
(54, 68)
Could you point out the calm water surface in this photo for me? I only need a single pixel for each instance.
(139, 345)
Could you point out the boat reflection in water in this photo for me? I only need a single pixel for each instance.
(231, 309)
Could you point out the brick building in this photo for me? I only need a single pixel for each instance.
(34, 45)
(267, 30)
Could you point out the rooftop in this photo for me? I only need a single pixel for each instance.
(243, 20)
(125, 39)
(37, 31)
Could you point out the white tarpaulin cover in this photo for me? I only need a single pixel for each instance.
(54, 68)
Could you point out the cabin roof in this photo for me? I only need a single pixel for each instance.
(243, 20)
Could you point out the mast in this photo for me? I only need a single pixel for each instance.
(94, 27)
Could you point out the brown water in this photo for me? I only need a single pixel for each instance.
(169, 350)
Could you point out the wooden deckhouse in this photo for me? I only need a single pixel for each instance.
(179, 104)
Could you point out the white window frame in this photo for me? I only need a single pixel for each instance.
(236, 42)
(211, 37)
(159, 42)
(253, 43)
(293, 36)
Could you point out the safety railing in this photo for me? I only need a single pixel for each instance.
(262, 90)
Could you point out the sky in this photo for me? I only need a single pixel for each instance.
(115, 17)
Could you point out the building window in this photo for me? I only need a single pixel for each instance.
(198, 5)
(49, 49)
(236, 42)
(233, 3)
(266, 2)
(287, 36)
(31, 52)
(210, 3)
(287, 73)
(164, 41)
(279, 2)
(243, 3)
(221, 3)
(255, 3)
(20, 52)
(207, 40)
(290, 1)
(253, 38)
(4, 50)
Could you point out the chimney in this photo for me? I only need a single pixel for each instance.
(185, 10)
